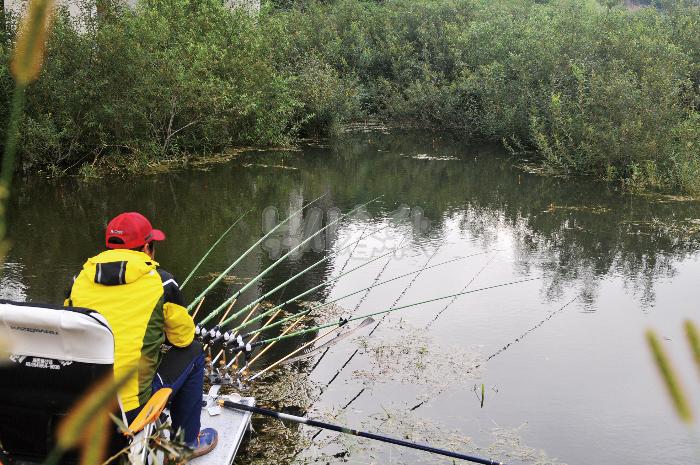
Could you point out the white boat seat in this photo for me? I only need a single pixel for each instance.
(57, 354)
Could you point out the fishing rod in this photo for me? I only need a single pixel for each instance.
(231, 333)
(357, 243)
(381, 312)
(356, 351)
(327, 345)
(344, 429)
(250, 249)
(299, 349)
(466, 286)
(234, 360)
(375, 281)
(247, 317)
(504, 348)
(303, 314)
(224, 321)
(201, 260)
(408, 286)
(267, 348)
(302, 317)
(357, 306)
(330, 302)
(246, 363)
(278, 261)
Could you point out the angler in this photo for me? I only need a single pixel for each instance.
(144, 308)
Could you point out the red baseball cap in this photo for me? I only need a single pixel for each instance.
(130, 230)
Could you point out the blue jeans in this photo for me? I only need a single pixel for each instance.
(182, 370)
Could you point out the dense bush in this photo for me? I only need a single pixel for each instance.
(591, 87)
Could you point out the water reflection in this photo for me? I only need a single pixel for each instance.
(441, 195)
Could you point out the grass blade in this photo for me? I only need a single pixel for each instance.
(671, 380)
(691, 332)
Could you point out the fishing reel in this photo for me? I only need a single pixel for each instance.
(215, 369)
(208, 335)
(223, 369)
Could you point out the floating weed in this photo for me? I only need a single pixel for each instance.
(285, 387)
(412, 357)
(329, 312)
(287, 443)
(228, 279)
(260, 165)
(595, 209)
(506, 444)
(664, 198)
(425, 156)
(683, 227)
(366, 126)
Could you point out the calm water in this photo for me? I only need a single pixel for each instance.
(562, 383)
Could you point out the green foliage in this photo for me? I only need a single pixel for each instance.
(591, 87)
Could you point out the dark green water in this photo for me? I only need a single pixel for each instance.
(571, 384)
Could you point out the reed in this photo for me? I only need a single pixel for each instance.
(691, 332)
(669, 377)
(27, 60)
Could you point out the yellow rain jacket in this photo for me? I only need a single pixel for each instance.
(143, 306)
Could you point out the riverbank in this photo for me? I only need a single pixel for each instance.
(578, 87)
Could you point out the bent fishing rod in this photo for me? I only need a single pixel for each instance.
(233, 332)
(308, 345)
(344, 321)
(213, 246)
(226, 320)
(216, 335)
(229, 334)
(245, 254)
(276, 310)
(331, 302)
(357, 350)
(289, 328)
(353, 432)
(226, 303)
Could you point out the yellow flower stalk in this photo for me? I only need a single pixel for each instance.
(31, 41)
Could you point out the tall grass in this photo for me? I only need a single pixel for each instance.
(586, 88)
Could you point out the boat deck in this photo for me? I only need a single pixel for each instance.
(231, 426)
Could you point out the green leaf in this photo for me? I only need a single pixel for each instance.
(691, 332)
(670, 378)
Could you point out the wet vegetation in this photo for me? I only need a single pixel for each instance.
(573, 87)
